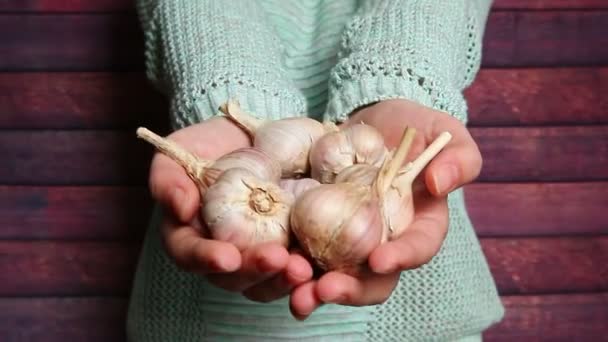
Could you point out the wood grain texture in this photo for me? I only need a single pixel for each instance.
(118, 212)
(546, 38)
(527, 318)
(91, 212)
(114, 41)
(117, 100)
(62, 319)
(70, 42)
(74, 157)
(65, 268)
(118, 157)
(76, 268)
(535, 209)
(549, 4)
(543, 154)
(561, 96)
(38, 6)
(548, 265)
(79, 100)
(553, 318)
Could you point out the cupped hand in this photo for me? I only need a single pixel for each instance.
(459, 163)
(263, 273)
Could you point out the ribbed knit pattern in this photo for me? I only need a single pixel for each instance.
(323, 59)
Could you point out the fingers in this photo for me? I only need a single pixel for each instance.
(259, 263)
(457, 164)
(297, 272)
(304, 300)
(343, 289)
(418, 244)
(192, 252)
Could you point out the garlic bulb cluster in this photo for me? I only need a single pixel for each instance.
(338, 191)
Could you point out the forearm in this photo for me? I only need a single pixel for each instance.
(427, 51)
(201, 53)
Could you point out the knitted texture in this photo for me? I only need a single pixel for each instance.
(323, 59)
(200, 53)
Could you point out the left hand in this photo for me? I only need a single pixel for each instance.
(459, 163)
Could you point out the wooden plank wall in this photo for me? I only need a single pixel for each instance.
(73, 202)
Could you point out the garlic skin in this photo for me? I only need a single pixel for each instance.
(298, 186)
(252, 159)
(338, 225)
(335, 151)
(242, 209)
(397, 203)
(287, 141)
(398, 212)
(363, 174)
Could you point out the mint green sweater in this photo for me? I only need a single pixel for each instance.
(323, 59)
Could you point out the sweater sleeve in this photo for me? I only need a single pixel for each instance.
(201, 53)
(426, 51)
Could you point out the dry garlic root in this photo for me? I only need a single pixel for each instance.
(287, 141)
(335, 151)
(244, 210)
(340, 224)
(241, 200)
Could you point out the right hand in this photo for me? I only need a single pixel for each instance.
(264, 273)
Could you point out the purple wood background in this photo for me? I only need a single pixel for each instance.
(73, 201)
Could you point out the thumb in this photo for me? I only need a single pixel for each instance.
(173, 189)
(458, 164)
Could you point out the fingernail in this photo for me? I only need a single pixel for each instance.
(223, 265)
(384, 269)
(445, 178)
(386, 266)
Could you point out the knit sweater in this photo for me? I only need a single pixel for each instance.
(321, 59)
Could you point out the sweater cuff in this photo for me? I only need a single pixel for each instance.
(356, 92)
(203, 103)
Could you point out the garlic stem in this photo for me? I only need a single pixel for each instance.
(391, 167)
(248, 122)
(413, 169)
(194, 166)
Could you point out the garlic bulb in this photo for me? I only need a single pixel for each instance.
(242, 209)
(287, 141)
(249, 158)
(340, 224)
(298, 186)
(397, 203)
(205, 172)
(335, 151)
